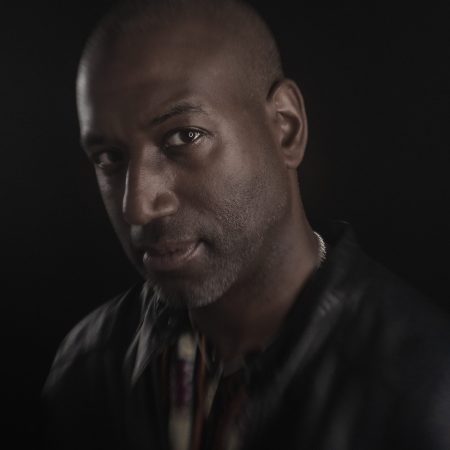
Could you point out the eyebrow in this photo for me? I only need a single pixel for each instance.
(176, 110)
(92, 140)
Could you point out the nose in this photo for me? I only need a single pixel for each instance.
(148, 195)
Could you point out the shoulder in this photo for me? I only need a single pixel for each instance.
(399, 341)
(382, 310)
(375, 300)
(100, 338)
(393, 344)
(400, 315)
(83, 397)
(386, 327)
(414, 360)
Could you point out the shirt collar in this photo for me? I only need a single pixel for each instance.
(159, 327)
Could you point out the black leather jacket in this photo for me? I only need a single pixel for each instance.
(362, 362)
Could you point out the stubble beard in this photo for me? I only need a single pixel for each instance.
(224, 270)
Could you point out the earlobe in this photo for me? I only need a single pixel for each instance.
(287, 107)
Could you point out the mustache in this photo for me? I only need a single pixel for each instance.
(174, 228)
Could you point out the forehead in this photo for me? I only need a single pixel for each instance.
(189, 57)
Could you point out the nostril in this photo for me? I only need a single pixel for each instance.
(142, 208)
(166, 203)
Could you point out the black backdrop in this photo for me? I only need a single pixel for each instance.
(376, 85)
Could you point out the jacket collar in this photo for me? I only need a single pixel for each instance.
(328, 295)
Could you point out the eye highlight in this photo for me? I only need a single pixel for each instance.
(181, 137)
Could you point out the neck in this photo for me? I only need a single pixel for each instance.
(249, 315)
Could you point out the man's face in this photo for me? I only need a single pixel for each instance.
(185, 160)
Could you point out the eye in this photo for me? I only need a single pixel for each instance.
(108, 159)
(182, 137)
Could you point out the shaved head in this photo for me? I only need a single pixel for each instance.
(195, 136)
(234, 24)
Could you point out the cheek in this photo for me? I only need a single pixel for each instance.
(246, 192)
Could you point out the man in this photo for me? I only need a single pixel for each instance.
(251, 330)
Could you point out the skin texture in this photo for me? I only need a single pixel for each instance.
(189, 152)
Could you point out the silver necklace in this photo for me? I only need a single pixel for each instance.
(322, 249)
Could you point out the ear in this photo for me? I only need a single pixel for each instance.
(289, 120)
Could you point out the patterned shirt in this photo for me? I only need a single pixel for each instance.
(204, 402)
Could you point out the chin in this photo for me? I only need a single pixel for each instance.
(185, 297)
(191, 294)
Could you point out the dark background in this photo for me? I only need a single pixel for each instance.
(376, 85)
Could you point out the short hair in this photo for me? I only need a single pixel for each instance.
(251, 34)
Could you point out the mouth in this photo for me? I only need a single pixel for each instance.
(170, 256)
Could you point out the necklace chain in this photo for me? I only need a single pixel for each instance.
(322, 249)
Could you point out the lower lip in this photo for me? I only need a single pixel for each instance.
(171, 261)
